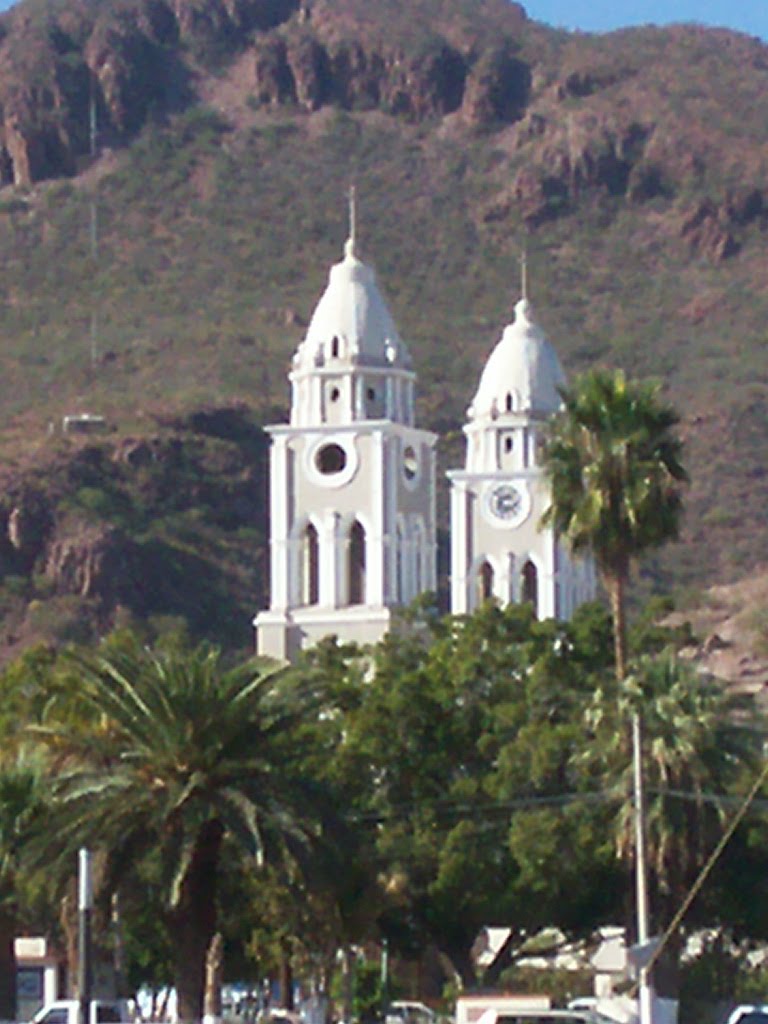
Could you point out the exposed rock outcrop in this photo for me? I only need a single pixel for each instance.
(497, 88)
(302, 70)
(96, 562)
(702, 227)
(130, 60)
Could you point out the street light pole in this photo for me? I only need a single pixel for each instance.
(645, 987)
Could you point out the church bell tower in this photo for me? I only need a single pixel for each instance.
(498, 547)
(352, 480)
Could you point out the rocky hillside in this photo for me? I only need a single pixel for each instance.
(162, 531)
(173, 190)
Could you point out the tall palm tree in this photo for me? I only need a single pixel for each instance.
(700, 741)
(613, 463)
(700, 738)
(177, 754)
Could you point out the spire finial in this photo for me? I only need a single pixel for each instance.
(349, 248)
(524, 274)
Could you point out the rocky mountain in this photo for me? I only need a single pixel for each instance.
(173, 190)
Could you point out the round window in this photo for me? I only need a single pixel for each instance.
(331, 458)
(410, 463)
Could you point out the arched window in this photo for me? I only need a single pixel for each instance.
(310, 566)
(334, 347)
(510, 402)
(357, 564)
(484, 582)
(530, 593)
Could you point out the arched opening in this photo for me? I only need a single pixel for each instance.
(330, 459)
(509, 403)
(310, 566)
(357, 564)
(334, 348)
(530, 594)
(484, 582)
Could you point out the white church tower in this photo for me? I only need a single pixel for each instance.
(498, 547)
(352, 481)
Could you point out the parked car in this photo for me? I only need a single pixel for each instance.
(405, 1011)
(749, 1014)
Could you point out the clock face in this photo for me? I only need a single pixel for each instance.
(508, 503)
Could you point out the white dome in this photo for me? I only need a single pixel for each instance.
(351, 321)
(522, 374)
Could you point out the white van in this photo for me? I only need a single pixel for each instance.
(67, 1011)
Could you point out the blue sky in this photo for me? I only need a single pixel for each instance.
(602, 15)
(749, 16)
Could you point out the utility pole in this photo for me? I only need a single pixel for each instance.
(84, 911)
(645, 988)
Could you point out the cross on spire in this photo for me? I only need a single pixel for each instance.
(524, 274)
(351, 239)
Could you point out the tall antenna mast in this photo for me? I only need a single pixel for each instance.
(94, 232)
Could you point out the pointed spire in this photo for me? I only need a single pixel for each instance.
(523, 306)
(349, 248)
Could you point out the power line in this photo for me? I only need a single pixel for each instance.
(447, 809)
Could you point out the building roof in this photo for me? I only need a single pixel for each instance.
(523, 373)
(352, 311)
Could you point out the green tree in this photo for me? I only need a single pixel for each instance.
(459, 735)
(178, 752)
(21, 806)
(613, 463)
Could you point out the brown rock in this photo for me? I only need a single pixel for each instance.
(428, 85)
(703, 230)
(91, 563)
(135, 453)
(311, 71)
(275, 83)
(28, 526)
(540, 197)
(359, 75)
(744, 205)
(587, 81)
(497, 89)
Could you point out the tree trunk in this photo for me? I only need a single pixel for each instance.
(616, 584)
(463, 965)
(214, 974)
(68, 922)
(194, 923)
(7, 965)
(347, 983)
(501, 961)
(286, 975)
(118, 948)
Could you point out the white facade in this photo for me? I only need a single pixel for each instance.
(352, 480)
(498, 547)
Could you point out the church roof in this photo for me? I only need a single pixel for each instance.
(522, 374)
(352, 312)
